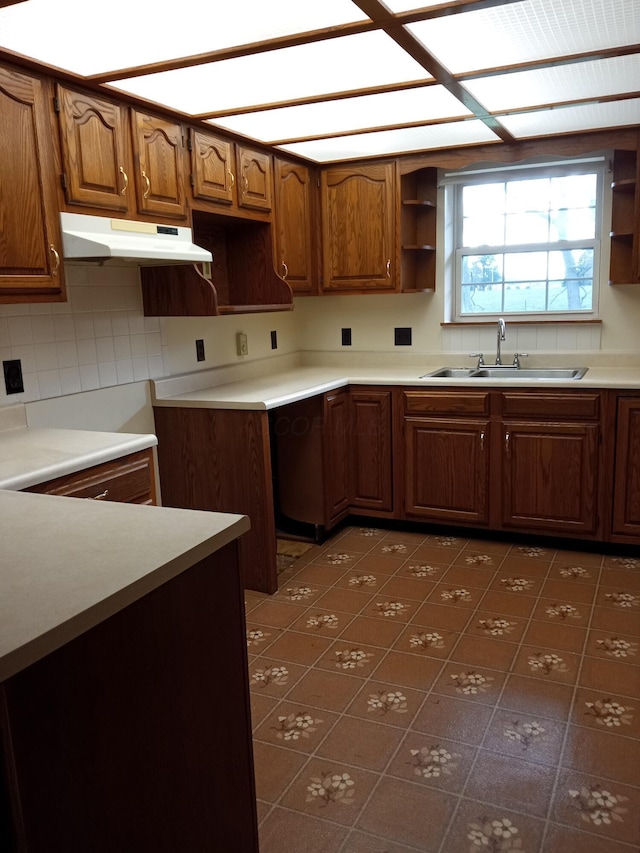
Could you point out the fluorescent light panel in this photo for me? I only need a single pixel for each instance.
(574, 119)
(527, 31)
(426, 103)
(339, 64)
(124, 34)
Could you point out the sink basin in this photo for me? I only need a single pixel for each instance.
(507, 372)
(529, 372)
(451, 373)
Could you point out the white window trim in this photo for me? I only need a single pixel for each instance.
(450, 224)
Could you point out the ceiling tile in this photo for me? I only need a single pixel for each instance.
(574, 119)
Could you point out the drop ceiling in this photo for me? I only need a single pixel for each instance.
(337, 80)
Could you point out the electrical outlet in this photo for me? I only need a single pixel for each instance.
(13, 382)
(274, 340)
(346, 337)
(402, 336)
(199, 349)
(242, 345)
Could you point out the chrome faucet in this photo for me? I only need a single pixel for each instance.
(502, 330)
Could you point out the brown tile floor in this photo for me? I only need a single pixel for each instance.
(441, 695)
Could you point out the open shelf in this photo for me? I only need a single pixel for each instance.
(418, 230)
(625, 219)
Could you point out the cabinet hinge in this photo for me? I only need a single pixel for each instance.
(63, 181)
(189, 144)
(192, 181)
(317, 180)
(56, 104)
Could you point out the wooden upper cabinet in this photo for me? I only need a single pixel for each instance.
(294, 246)
(254, 178)
(96, 154)
(212, 168)
(159, 166)
(359, 227)
(30, 242)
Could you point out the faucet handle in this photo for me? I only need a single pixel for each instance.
(517, 356)
(479, 356)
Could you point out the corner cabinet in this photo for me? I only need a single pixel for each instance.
(31, 267)
(418, 212)
(293, 229)
(358, 205)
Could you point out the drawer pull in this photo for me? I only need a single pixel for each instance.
(101, 497)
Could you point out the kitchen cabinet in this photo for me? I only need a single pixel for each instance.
(218, 459)
(159, 166)
(212, 169)
(254, 178)
(359, 217)
(130, 479)
(293, 228)
(96, 151)
(419, 191)
(550, 461)
(31, 246)
(335, 456)
(624, 266)
(446, 456)
(626, 483)
(370, 450)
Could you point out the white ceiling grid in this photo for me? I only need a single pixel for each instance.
(343, 79)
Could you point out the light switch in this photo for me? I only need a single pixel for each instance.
(241, 344)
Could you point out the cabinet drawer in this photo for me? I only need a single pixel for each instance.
(446, 402)
(566, 406)
(126, 480)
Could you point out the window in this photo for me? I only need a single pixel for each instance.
(527, 240)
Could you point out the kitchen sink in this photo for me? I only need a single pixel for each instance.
(507, 372)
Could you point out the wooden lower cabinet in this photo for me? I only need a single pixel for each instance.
(335, 456)
(136, 735)
(550, 477)
(626, 488)
(371, 450)
(447, 469)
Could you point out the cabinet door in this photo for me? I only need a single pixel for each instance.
(254, 179)
(358, 227)
(447, 469)
(95, 150)
(212, 168)
(550, 476)
(294, 252)
(371, 450)
(626, 489)
(335, 456)
(160, 172)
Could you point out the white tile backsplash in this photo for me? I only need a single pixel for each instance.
(98, 338)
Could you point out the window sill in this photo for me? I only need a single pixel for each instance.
(511, 322)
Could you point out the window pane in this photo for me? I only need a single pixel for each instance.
(483, 199)
(528, 195)
(523, 298)
(525, 266)
(483, 231)
(574, 191)
(527, 228)
(572, 263)
(481, 299)
(578, 224)
(481, 269)
(571, 295)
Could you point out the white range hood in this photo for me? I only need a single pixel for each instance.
(100, 238)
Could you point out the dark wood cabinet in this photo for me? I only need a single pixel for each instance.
(370, 450)
(96, 152)
(418, 229)
(359, 227)
(254, 178)
(626, 483)
(335, 456)
(159, 169)
(31, 267)
(293, 228)
(624, 265)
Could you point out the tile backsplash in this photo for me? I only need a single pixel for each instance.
(98, 338)
(530, 338)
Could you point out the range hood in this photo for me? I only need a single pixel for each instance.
(100, 238)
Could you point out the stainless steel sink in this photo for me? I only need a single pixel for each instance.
(507, 372)
(529, 372)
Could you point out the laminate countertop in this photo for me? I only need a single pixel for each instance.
(289, 386)
(69, 564)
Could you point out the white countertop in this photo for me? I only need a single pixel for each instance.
(30, 456)
(69, 564)
(289, 386)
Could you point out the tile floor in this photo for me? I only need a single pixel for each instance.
(438, 694)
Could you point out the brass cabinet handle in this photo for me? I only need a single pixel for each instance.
(145, 194)
(125, 180)
(285, 270)
(101, 497)
(482, 434)
(507, 439)
(233, 179)
(245, 181)
(55, 269)
(389, 268)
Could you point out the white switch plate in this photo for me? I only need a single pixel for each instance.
(241, 344)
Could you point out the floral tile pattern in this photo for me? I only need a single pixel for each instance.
(415, 692)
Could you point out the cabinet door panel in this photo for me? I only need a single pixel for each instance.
(371, 450)
(626, 496)
(550, 476)
(30, 242)
(212, 167)
(254, 170)
(293, 235)
(335, 452)
(157, 146)
(95, 154)
(358, 227)
(447, 469)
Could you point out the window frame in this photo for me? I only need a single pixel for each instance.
(453, 182)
